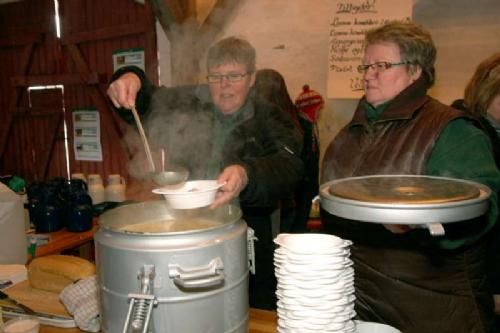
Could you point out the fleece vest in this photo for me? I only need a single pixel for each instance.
(400, 142)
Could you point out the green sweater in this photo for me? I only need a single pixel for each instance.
(462, 151)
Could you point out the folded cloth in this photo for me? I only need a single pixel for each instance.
(81, 299)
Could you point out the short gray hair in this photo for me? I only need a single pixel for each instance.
(232, 50)
(415, 44)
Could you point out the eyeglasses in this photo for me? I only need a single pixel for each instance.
(380, 66)
(231, 77)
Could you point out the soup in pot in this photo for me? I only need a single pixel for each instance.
(162, 226)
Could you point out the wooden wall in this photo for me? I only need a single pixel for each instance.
(31, 135)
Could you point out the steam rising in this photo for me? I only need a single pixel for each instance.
(176, 125)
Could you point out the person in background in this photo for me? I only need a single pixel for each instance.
(405, 277)
(270, 87)
(482, 99)
(219, 131)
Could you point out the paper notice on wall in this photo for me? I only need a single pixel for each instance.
(87, 135)
(347, 28)
(129, 57)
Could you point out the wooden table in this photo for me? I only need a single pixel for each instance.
(261, 321)
(62, 240)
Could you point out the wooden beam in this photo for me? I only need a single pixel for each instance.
(47, 154)
(63, 79)
(20, 39)
(214, 23)
(24, 67)
(98, 98)
(167, 12)
(189, 40)
(36, 111)
(184, 58)
(151, 57)
(105, 33)
(179, 8)
(191, 8)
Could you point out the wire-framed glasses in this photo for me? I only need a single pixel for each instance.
(231, 77)
(380, 66)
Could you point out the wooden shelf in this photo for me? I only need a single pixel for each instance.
(62, 240)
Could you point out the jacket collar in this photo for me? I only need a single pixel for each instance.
(403, 106)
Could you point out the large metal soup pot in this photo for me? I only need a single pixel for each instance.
(165, 270)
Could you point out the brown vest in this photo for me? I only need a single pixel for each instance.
(400, 142)
(400, 279)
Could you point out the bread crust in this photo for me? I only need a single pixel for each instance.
(55, 272)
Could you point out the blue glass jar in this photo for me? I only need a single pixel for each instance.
(80, 218)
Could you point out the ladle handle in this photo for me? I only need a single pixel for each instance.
(143, 137)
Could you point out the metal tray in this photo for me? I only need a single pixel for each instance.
(45, 318)
(430, 215)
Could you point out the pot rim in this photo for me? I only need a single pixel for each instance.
(116, 218)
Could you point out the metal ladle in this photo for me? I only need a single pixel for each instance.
(175, 176)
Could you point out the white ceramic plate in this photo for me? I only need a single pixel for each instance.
(370, 327)
(311, 243)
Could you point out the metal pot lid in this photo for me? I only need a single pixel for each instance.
(404, 199)
(404, 189)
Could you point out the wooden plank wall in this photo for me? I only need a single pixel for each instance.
(91, 30)
(19, 35)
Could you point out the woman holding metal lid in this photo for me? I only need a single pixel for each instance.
(405, 277)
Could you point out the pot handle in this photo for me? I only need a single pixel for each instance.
(210, 275)
(436, 229)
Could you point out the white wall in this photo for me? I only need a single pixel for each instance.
(291, 36)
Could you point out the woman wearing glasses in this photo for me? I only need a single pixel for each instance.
(405, 277)
(218, 131)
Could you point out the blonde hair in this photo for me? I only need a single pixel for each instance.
(483, 86)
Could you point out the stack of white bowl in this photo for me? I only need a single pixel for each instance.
(315, 284)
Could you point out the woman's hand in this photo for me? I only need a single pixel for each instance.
(123, 91)
(398, 228)
(235, 179)
(496, 298)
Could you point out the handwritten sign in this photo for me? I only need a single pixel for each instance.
(347, 29)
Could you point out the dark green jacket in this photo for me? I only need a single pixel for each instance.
(260, 137)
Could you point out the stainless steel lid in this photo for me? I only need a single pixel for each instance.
(404, 190)
(405, 199)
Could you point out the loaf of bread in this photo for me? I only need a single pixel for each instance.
(55, 272)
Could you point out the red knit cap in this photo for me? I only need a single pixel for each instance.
(309, 102)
